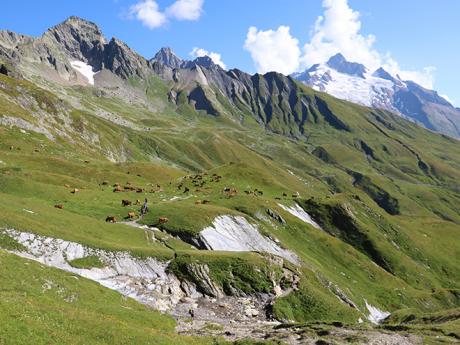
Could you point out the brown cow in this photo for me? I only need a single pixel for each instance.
(74, 191)
(60, 206)
(125, 202)
(111, 219)
(132, 214)
(162, 220)
(117, 189)
(198, 202)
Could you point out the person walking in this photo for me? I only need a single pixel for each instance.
(144, 207)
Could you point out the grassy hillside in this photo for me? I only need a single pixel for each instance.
(384, 191)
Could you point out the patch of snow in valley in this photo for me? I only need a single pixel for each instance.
(235, 233)
(376, 315)
(300, 213)
(145, 280)
(84, 69)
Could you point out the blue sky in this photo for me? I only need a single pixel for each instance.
(420, 39)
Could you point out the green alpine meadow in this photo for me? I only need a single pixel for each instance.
(172, 201)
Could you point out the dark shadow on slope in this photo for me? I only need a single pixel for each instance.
(201, 101)
(379, 195)
(329, 116)
(337, 221)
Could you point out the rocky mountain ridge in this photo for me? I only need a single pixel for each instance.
(201, 83)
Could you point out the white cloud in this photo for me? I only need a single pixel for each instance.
(185, 9)
(148, 13)
(273, 50)
(337, 30)
(215, 57)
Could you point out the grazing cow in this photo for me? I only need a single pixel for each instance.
(74, 191)
(138, 202)
(131, 214)
(111, 219)
(60, 206)
(205, 202)
(162, 220)
(126, 202)
(117, 189)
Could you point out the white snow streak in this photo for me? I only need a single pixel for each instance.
(85, 69)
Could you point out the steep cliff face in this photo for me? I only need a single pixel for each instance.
(75, 39)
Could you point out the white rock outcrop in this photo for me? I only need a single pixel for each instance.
(145, 280)
(235, 233)
(376, 315)
(300, 213)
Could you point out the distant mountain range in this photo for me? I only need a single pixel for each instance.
(76, 51)
(379, 89)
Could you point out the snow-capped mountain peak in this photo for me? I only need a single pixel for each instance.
(341, 65)
(354, 82)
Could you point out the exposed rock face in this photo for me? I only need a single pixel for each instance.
(340, 64)
(145, 280)
(123, 61)
(300, 213)
(201, 274)
(235, 233)
(78, 38)
(73, 39)
(167, 57)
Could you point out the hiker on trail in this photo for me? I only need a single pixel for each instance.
(144, 208)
